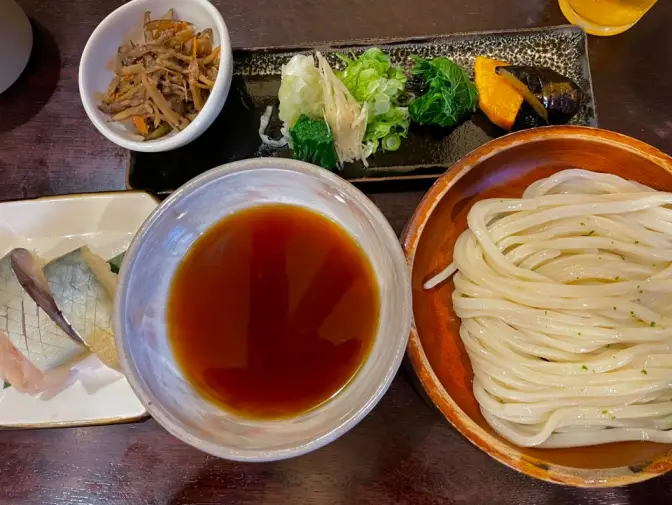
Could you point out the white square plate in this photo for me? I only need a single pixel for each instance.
(52, 227)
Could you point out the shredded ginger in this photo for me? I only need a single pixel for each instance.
(345, 116)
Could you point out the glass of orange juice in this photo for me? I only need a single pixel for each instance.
(605, 17)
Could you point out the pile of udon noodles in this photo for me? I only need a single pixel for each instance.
(565, 300)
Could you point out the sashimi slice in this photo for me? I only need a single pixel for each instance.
(25, 377)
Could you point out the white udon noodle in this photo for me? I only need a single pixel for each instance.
(565, 301)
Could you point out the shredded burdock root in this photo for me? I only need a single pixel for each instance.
(163, 83)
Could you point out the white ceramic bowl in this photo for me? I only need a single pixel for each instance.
(96, 68)
(145, 279)
(16, 36)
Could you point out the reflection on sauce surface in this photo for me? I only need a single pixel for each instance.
(272, 311)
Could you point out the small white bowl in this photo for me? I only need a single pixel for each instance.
(144, 282)
(17, 34)
(96, 68)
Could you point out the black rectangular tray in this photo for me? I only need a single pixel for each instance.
(426, 153)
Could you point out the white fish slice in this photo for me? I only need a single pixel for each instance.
(21, 374)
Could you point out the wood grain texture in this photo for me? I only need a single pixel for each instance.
(403, 452)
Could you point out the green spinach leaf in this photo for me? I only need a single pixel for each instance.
(450, 96)
(313, 142)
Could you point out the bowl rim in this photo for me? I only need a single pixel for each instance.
(343, 424)
(476, 435)
(205, 117)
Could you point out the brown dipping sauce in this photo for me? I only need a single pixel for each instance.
(272, 311)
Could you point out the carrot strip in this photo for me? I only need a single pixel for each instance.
(140, 124)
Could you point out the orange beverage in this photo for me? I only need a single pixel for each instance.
(605, 17)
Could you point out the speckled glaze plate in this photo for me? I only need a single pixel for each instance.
(426, 153)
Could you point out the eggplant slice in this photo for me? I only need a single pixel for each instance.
(553, 96)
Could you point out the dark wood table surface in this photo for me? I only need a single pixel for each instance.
(404, 452)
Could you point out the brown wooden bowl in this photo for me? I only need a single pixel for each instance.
(504, 168)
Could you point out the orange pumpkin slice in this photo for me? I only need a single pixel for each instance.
(497, 98)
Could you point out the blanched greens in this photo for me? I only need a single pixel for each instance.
(313, 142)
(333, 122)
(331, 118)
(375, 82)
(450, 95)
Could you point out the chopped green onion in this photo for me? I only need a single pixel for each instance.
(392, 142)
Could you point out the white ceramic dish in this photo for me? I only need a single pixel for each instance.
(157, 250)
(96, 68)
(16, 35)
(52, 227)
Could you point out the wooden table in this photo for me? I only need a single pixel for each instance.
(403, 452)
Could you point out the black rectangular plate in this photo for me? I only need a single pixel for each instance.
(426, 153)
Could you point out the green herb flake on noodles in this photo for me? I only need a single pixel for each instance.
(450, 96)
